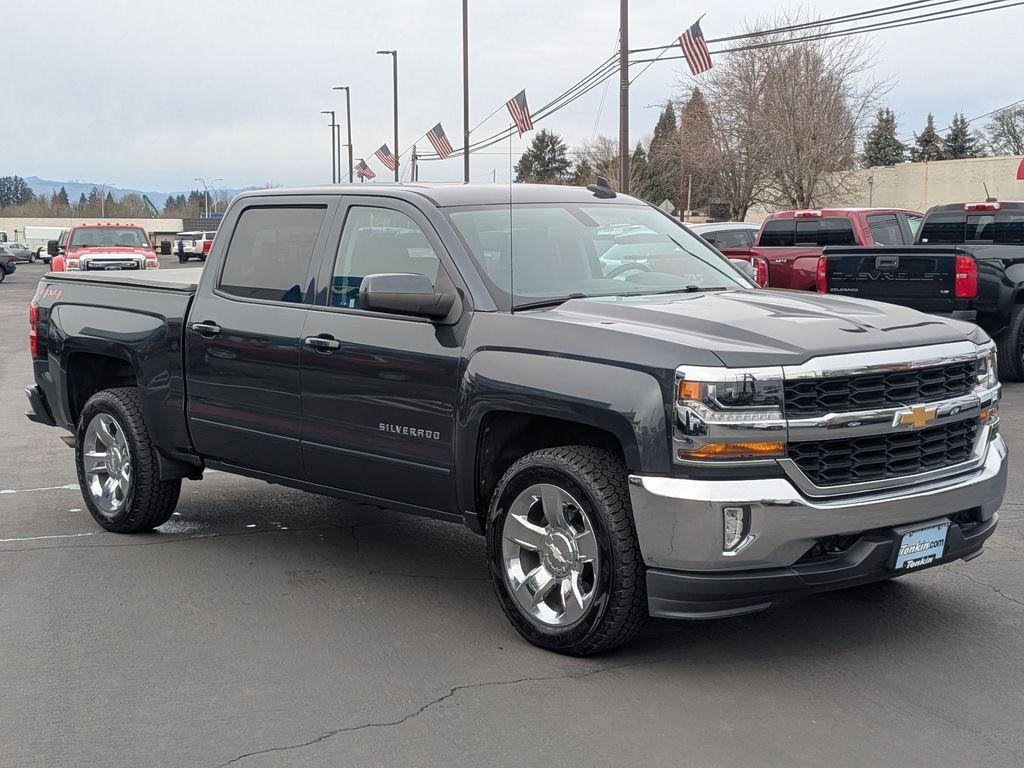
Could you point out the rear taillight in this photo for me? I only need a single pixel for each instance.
(820, 276)
(207, 246)
(760, 271)
(965, 286)
(33, 329)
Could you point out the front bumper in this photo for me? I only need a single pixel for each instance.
(679, 528)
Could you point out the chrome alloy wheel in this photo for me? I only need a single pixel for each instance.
(107, 462)
(550, 553)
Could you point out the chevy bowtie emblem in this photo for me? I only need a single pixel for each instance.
(916, 417)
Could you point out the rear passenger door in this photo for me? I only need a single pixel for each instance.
(379, 390)
(244, 333)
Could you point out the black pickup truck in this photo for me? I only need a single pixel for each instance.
(967, 262)
(636, 431)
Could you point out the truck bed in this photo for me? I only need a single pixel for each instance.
(185, 280)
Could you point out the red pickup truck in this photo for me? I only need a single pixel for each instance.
(790, 242)
(102, 246)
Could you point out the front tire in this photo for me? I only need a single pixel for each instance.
(117, 465)
(1010, 347)
(563, 554)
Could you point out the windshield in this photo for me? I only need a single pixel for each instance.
(560, 250)
(94, 237)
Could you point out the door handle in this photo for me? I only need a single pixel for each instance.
(206, 329)
(322, 343)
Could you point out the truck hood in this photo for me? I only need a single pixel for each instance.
(766, 327)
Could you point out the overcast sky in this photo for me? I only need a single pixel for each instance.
(150, 95)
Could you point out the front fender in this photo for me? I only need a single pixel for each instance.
(625, 402)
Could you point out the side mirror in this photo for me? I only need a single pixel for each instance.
(745, 267)
(52, 247)
(165, 247)
(405, 294)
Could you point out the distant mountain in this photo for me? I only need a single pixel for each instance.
(76, 188)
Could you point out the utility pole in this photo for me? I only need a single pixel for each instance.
(394, 56)
(348, 121)
(415, 170)
(334, 169)
(624, 96)
(465, 89)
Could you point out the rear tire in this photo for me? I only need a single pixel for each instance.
(1010, 346)
(117, 465)
(577, 586)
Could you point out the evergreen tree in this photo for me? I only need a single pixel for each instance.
(927, 144)
(546, 160)
(699, 156)
(664, 159)
(82, 203)
(582, 174)
(641, 178)
(882, 146)
(961, 142)
(60, 199)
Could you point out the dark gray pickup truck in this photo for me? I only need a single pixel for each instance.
(635, 427)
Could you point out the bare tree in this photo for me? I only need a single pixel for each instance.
(1006, 132)
(601, 155)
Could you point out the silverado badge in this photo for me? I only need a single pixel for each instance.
(916, 417)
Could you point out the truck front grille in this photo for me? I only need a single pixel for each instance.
(817, 397)
(880, 457)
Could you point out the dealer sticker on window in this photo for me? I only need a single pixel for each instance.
(921, 546)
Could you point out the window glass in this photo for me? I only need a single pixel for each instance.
(807, 232)
(1009, 228)
(981, 227)
(555, 250)
(943, 228)
(777, 233)
(836, 230)
(270, 250)
(914, 222)
(97, 237)
(730, 238)
(376, 241)
(885, 229)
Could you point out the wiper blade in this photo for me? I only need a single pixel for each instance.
(548, 302)
(690, 289)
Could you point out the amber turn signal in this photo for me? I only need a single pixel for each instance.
(689, 390)
(734, 451)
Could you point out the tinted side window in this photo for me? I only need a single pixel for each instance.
(778, 233)
(375, 241)
(730, 238)
(944, 228)
(270, 251)
(885, 229)
(1010, 228)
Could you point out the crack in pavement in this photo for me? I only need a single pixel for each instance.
(430, 704)
(986, 585)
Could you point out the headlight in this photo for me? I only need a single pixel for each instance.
(988, 371)
(728, 413)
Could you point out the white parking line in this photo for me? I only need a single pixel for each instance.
(54, 536)
(69, 487)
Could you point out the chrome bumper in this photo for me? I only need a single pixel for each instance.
(679, 521)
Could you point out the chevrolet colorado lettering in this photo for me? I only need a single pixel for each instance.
(637, 432)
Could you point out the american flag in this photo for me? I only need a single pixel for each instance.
(385, 156)
(695, 50)
(520, 112)
(437, 137)
(363, 171)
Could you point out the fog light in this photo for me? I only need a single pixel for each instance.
(735, 524)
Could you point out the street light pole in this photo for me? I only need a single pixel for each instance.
(206, 194)
(394, 57)
(334, 162)
(465, 90)
(348, 121)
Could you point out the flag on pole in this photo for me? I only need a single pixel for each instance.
(437, 137)
(695, 49)
(385, 156)
(363, 171)
(520, 112)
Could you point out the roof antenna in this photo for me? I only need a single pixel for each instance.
(988, 197)
(602, 188)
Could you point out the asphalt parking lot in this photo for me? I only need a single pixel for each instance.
(265, 627)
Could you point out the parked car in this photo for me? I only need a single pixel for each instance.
(7, 259)
(99, 247)
(659, 440)
(967, 262)
(188, 245)
(790, 242)
(21, 252)
(733, 235)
